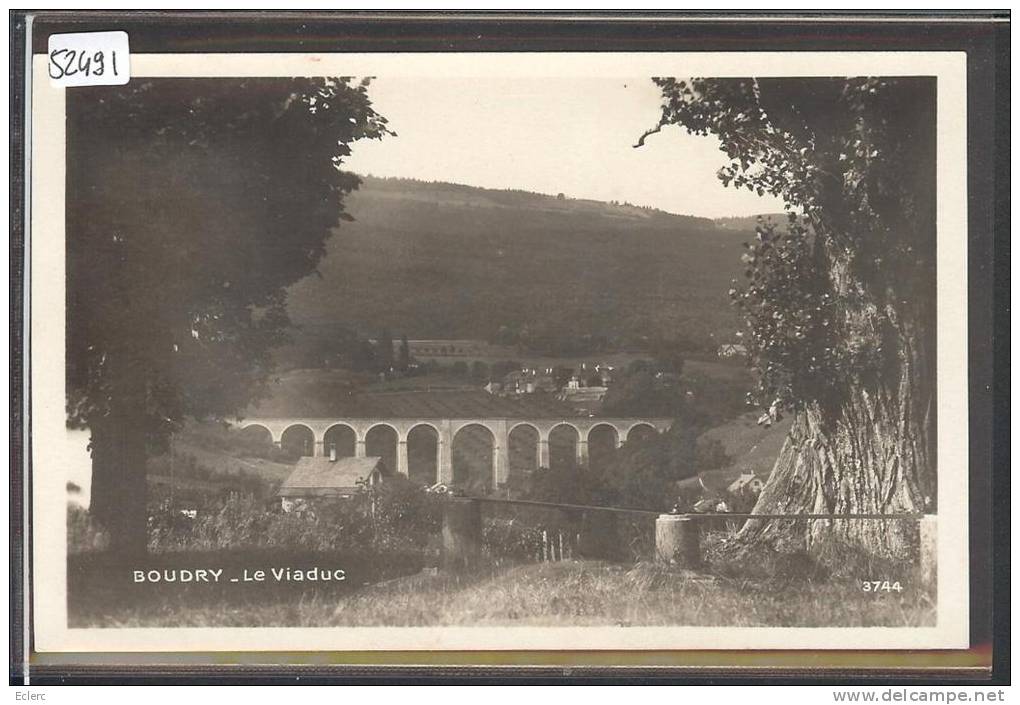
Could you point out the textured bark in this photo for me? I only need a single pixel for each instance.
(857, 156)
(119, 489)
(872, 452)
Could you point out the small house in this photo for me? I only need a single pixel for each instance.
(732, 350)
(330, 478)
(747, 482)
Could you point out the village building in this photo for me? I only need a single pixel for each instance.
(587, 388)
(747, 482)
(732, 350)
(317, 477)
(529, 381)
(583, 399)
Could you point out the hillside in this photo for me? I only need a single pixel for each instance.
(437, 260)
(747, 223)
(752, 448)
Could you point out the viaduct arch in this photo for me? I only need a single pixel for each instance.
(350, 437)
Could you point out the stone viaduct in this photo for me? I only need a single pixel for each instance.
(316, 436)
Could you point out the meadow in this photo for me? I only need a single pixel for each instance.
(405, 588)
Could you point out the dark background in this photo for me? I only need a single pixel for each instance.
(987, 47)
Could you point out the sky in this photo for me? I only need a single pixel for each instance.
(569, 135)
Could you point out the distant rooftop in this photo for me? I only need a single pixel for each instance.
(322, 476)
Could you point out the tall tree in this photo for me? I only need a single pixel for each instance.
(191, 205)
(839, 303)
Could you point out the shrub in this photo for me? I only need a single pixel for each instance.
(570, 485)
(636, 537)
(508, 538)
(82, 533)
(405, 515)
(396, 516)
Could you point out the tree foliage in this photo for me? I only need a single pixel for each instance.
(823, 297)
(839, 304)
(570, 484)
(191, 205)
(644, 392)
(646, 470)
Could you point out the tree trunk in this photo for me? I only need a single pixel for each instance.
(119, 488)
(872, 454)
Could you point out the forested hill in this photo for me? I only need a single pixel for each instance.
(435, 260)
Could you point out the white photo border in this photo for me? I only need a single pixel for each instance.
(46, 296)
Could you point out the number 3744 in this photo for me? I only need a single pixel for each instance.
(881, 586)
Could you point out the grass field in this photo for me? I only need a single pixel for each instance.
(567, 593)
(752, 447)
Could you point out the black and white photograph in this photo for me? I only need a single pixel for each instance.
(621, 350)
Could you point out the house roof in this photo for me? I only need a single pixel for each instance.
(744, 480)
(321, 475)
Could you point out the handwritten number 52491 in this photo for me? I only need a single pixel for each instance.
(68, 62)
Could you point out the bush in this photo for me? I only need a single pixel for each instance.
(508, 538)
(396, 516)
(636, 537)
(82, 533)
(234, 522)
(570, 485)
(405, 515)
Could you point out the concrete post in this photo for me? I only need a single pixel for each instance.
(462, 533)
(582, 452)
(678, 541)
(444, 450)
(543, 451)
(439, 460)
(500, 454)
(402, 465)
(929, 544)
(495, 466)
